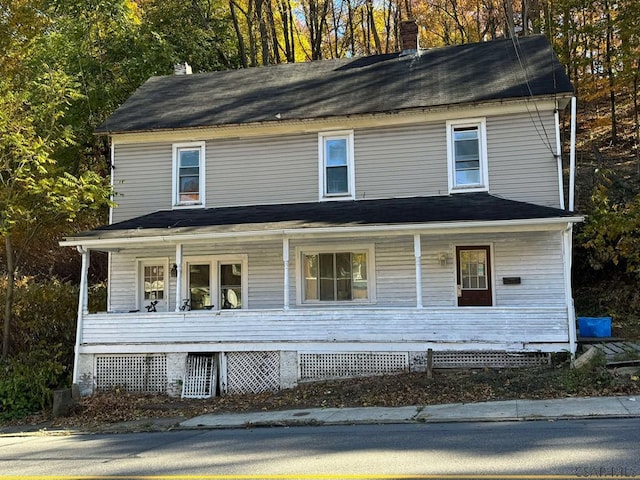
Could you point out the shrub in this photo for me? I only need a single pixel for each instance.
(27, 381)
(42, 343)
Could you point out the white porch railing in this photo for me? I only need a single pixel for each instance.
(366, 325)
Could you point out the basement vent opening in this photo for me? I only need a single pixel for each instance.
(132, 373)
(200, 380)
(489, 359)
(318, 366)
(253, 372)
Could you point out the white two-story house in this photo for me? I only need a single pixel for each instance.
(333, 218)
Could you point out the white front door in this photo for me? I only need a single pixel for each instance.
(153, 295)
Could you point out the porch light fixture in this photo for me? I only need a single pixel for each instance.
(442, 258)
(174, 270)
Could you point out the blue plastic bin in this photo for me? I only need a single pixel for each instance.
(594, 326)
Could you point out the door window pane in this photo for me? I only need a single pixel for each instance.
(473, 271)
(153, 282)
(200, 286)
(230, 286)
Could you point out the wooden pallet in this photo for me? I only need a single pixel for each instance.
(618, 353)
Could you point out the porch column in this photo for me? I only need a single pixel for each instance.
(178, 277)
(83, 302)
(571, 313)
(417, 252)
(285, 259)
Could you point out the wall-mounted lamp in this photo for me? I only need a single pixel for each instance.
(174, 270)
(442, 258)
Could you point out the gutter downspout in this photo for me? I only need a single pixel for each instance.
(571, 313)
(572, 156)
(556, 116)
(82, 309)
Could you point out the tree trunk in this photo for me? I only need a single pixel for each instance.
(262, 29)
(373, 28)
(8, 304)
(236, 26)
(636, 84)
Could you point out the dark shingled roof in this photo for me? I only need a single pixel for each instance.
(395, 211)
(383, 83)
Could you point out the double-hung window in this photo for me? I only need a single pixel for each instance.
(335, 151)
(188, 174)
(467, 152)
(337, 276)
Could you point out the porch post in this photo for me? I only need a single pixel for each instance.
(417, 252)
(285, 259)
(83, 302)
(178, 277)
(571, 314)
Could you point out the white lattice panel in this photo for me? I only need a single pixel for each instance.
(200, 377)
(133, 373)
(315, 366)
(488, 359)
(253, 372)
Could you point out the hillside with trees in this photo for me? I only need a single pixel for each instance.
(65, 65)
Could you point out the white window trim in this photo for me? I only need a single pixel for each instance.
(140, 263)
(481, 123)
(322, 137)
(174, 189)
(492, 266)
(214, 262)
(341, 247)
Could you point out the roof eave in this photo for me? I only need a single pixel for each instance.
(110, 239)
(561, 98)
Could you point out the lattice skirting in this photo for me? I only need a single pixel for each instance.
(488, 359)
(133, 373)
(200, 379)
(253, 372)
(316, 366)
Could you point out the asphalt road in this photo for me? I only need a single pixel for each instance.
(585, 448)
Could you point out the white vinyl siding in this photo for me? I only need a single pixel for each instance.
(142, 179)
(535, 257)
(388, 162)
(521, 167)
(401, 161)
(262, 170)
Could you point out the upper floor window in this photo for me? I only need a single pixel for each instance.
(336, 165)
(467, 152)
(188, 174)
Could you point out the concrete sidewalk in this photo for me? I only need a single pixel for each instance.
(592, 407)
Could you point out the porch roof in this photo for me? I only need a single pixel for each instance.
(456, 210)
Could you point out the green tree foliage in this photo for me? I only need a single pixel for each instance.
(43, 342)
(611, 233)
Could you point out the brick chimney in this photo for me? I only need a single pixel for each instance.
(409, 37)
(182, 69)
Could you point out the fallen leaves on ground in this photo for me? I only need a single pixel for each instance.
(382, 391)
